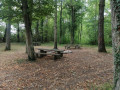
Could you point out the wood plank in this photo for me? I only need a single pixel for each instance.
(50, 49)
(49, 53)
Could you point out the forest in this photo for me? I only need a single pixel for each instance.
(60, 44)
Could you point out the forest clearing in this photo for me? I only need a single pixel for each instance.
(79, 70)
(59, 44)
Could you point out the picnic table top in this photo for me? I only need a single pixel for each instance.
(36, 42)
(50, 49)
(72, 45)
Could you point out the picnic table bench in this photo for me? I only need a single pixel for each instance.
(36, 43)
(72, 46)
(54, 52)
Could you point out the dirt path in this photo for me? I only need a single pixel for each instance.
(78, 70)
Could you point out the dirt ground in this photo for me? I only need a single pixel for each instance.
(78, 70)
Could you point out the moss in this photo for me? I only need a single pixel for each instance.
(116, 4)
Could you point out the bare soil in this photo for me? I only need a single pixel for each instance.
(75, 71)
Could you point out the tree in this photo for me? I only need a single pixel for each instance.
(101, 43)
(8, 12)
(26, 15)
(18, 33)
(8, 34)
(4, 38)
(73, 9)
(55, 26)
(42, 22)
(61, 23)
(115, 6)
(37, 33)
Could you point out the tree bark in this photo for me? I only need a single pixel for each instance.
(42, 21)
(26, 15)
(46, 30)
(101, 43)
(4, 38)
(96, 23)
(37, 31)
(55, 26)
(81, 31)
(18, 33)
(116, 41)
(61, 24)
(73, 24)
(8, 35)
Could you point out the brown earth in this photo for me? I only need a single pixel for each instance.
(75, 71)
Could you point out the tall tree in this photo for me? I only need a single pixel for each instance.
(4, 38)
(115, 6)
(8, 34)
(37, 31)
(42, 23)
(73, 7)
(96, 14)
(101, 43)
(18, 33)
(61, 24)
(55, 26)
(26, 15)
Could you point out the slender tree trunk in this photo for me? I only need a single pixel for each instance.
(30, 2)
(72, 28)
(42, 21)
(96, 14)
(8, 35)
(37, 31)
(55, 26)
(46, 31)
(30, 48)
(81, 31)
(18, 33)
(4, 38)
(115, 5)
(61, 24)
(101, 43)
(73, 25)
(31, 10)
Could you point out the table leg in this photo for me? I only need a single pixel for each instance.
(41, 55)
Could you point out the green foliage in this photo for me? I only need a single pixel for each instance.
(86, 16)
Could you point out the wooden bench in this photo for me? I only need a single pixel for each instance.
(56, 56)
(72, 46)
(36, 43)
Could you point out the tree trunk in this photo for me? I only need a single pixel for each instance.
(81, 32)
(30, 48)
(8, 35)
(73, 25)
(46, 31)
(37, 31)
(101, 43)
(42, 21)
(18, 33)
(96, 23)
(61, 24)
(4, 38)
(116, 41)
(55, 26)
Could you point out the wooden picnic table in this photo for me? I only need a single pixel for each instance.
(36, 43)
(76, 46)
(54, 52)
